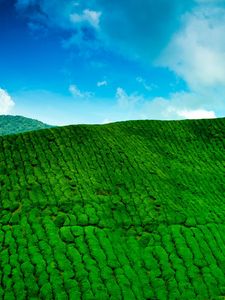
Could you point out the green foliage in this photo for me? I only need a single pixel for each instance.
(66, 234)
(18, 124)
(131, 210)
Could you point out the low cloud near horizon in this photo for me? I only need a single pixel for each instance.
(6, 102)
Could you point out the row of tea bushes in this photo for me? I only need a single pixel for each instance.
(131, 210)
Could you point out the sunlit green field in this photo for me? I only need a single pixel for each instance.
(130, 210)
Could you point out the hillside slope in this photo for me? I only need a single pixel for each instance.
(17, 124)
(130, 210)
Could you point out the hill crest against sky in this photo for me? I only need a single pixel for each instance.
(130, 210)
(17, 124)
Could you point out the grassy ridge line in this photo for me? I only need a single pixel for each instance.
(130, 210)
(17, 124)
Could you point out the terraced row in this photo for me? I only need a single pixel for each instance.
(131, 210)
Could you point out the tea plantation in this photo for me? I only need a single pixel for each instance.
(16, 124)
(129, 210)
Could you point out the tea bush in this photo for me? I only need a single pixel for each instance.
(129, 210)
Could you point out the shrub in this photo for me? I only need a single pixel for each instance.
(66, 234)
(46, 291)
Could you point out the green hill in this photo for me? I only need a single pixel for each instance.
(17, 124)
(130, 210)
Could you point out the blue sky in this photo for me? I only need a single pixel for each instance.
(76, 61)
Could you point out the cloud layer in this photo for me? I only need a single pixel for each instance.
(185, 37)
(138, 28)
(6, 102)
(77, 94)
(178, 106)
(197, 51)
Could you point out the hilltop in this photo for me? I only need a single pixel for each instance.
(17, 124)
(128, 210)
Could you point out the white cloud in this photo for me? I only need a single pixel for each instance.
(197, 114)
(76, 93)
(122, 97)
(197, 52)
(181, 105)
(127, 101)
(90, 16)
(6, 102)
(53, 13)
(102, 83)
(143, 82)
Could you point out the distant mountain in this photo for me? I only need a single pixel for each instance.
(16, 124)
